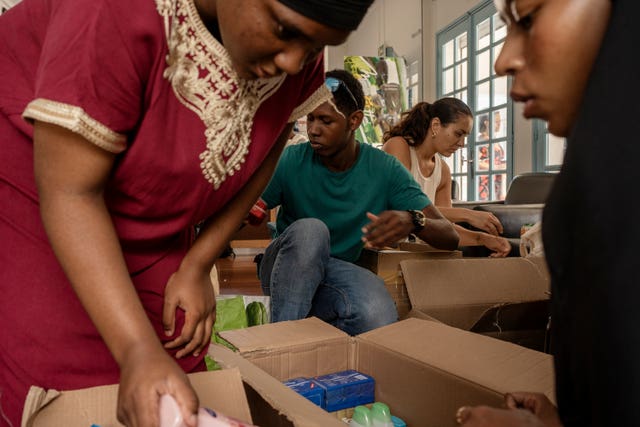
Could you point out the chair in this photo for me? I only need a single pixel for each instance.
(455, 190)
(523, 204)
(526, 188)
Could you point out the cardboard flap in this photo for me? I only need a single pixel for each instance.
(529, 315)
(387, 260)
(282, 335)
(488, 362)
(425, 247)
(286, 349)
(296, 408)
(219, 390)
(37, 398)
(472, 282)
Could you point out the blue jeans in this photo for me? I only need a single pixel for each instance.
(303, 280)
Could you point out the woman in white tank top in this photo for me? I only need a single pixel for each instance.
(427, 132)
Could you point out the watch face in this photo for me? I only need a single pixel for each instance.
(418, 218)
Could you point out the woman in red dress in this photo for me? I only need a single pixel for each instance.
(125, 123)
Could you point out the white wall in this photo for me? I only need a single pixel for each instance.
(395, 23)
(410, 27)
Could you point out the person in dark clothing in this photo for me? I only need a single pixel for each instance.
(592, 261)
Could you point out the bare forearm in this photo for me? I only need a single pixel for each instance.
(71, 174)
(438, 231)
(85, 242)
(454, 214)
(440, 234)
(221, 227)
(469, 237)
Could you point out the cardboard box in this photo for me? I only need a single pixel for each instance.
(219, 390)
(507, 298)
(423, 370)
(386, 264)
(241, 390)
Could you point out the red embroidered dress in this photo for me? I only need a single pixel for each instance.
(145, 80)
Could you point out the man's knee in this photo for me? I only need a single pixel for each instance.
(310, 229)
(309, 235)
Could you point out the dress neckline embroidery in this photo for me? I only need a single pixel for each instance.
(203, 79)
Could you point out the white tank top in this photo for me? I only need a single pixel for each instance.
(429, 184)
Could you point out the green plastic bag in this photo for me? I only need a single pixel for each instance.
(230, 314)
(257, 314)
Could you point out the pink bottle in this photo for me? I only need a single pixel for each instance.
(170, 416)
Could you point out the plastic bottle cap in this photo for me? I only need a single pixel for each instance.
(380, 411)
(397, 422)
(361, 417)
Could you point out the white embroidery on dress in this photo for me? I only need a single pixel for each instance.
(76, 120)
(203, 79)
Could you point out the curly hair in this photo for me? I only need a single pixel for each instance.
(341, 97)
(415, 123)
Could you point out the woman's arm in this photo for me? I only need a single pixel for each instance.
(499, 246)
(399, 149)
(191, 282)
(71, 174)
(485, 221)
(219, 229)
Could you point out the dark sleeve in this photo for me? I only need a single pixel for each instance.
(591, 249)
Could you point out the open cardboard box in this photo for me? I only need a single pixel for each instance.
(240, 390)
(507, 298)
(220, 390)
(386, 264)
(424, 370)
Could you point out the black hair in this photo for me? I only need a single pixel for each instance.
(341, 97)
(415, 123)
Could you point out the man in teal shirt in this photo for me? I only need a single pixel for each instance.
(336, 195)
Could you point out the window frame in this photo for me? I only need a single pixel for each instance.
(469, 176)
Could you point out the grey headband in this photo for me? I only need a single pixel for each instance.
(340, 14)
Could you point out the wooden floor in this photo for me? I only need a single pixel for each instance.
(237, 275)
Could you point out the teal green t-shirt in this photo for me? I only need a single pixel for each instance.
(304, 188)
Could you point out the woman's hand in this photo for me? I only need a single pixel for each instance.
(523, 410)
(499, 245)
(145, 375)
(485, 221)
(192, 292)
(538, 403)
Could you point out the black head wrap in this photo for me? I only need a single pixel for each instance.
(340, 14)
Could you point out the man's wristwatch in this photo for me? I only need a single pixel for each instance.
(418, 219)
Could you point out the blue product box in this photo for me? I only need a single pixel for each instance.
(346, 389)
(308, 388)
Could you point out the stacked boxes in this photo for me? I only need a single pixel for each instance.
(386, 264)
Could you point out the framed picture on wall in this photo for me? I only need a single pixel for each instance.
(383, 81)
